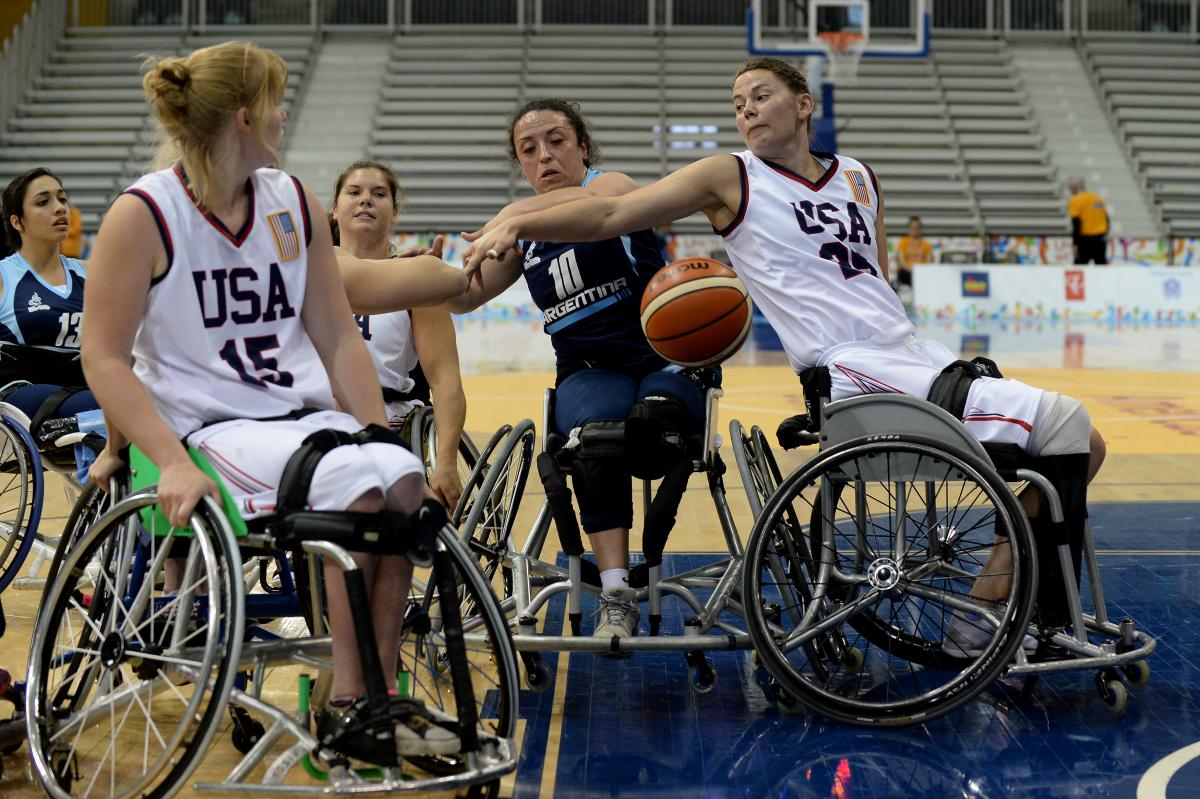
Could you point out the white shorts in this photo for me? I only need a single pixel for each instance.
(250, 457)
(997, 411)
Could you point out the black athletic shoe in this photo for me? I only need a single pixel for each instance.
(342, 733)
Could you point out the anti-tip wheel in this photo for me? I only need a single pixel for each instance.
(852, 658)
(1115, 695)
(1137, 674)
(703, 678)
(537, 673)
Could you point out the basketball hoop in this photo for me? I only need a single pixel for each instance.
(843, 51)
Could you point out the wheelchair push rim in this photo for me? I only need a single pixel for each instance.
(133, 659)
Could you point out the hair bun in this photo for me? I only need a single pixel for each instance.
(177, 74)
(167, 81)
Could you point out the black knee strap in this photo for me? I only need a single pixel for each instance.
(383, 533)
(595, 458)
(950, 388)
(801, 430)
(297, 476)
(658, 433)
(660, 518)
(558, 497)
(51, 406)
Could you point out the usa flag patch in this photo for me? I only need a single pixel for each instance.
(287, 240)
(858, 184)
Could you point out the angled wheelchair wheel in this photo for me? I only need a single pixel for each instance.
(479, 472)
(423, 443)
(127, 681)
(90, 505)
(756, 465)
(21, 487)
(858, 626)
(491, 657)
(496, 488)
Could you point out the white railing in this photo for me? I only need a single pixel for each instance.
(24, 51)
(1014, 18)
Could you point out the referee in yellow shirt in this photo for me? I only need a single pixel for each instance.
(1089, 224)
(911, 250)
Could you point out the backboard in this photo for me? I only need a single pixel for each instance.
(801, 28)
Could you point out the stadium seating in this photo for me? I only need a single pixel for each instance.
(85, 116)
(1153, 96)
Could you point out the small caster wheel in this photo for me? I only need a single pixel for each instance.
(246, 733)
(851, 658)
(1137, 674)
(485, 790)
(1115, 695)
(786, 702)
(537, 673)
(701, 674)
(64, 768)
(15, 745)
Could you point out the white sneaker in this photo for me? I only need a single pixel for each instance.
(619, 614)
(969, 633)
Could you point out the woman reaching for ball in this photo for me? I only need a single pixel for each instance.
(589, 295)
(805, 231)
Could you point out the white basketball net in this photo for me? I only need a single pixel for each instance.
(843, 51)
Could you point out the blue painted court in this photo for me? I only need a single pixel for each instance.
(634, 728)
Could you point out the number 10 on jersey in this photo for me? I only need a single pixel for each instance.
(565, 271)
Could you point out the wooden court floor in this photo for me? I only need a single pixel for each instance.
(1150, 420)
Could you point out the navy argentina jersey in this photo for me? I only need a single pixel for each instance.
(35, 313)
(589, 295)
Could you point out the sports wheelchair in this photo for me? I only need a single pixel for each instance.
(710, 593)
(128, 681)
(861, 560)
(25, 529)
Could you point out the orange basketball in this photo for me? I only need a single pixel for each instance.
(696, 312)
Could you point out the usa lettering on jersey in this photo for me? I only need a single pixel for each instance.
(808, 252)
(222, 336)
(826, 218)
(237, 295)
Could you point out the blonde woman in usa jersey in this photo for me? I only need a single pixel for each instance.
(215, 277)
(805, 232)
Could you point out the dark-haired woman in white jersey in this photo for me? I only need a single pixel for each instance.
(216, 316)
(415, 351)
(805, 231)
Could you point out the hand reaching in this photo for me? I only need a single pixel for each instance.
(106, 465)
(180, 487)
(434, 249)
(493, 245)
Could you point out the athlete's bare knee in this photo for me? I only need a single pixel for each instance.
(1098, 449)
(407, 493)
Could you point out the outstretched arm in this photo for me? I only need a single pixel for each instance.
(610, 184)
(397, 284)
(712, 185)
(336, 337)
(437, 352)
(500, 273)
(492, 279)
